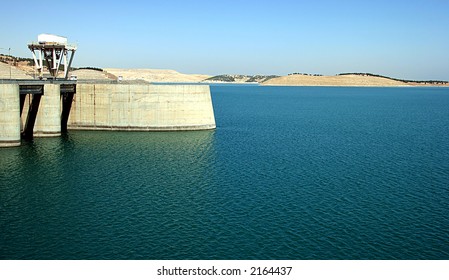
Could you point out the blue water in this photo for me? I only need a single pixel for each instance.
(289, 173)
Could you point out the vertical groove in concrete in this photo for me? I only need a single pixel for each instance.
(67, 100)
(9, 115)
(48, 122)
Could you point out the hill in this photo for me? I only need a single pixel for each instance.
(8, 71)
(240, 78)
(92, 74)
(23, 68)
(156, 75)
(346, 79)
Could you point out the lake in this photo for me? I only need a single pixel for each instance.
(289, 173)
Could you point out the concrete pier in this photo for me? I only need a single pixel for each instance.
(9, 115)
(48, 120)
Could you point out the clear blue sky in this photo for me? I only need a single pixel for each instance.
(404, 39)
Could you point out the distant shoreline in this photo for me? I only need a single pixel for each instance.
(349, 80)
(368, 86)
(20, 68)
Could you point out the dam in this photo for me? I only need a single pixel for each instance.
(39, 108)
(54, 103)
(142, 107)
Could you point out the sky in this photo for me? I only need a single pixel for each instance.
(402, 39)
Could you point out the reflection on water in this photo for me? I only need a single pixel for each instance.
(100, 193)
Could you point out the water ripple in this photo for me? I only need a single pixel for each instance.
(290, 173)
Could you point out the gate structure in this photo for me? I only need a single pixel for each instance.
(55, 51)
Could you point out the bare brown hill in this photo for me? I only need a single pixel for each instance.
(8, 71)
(343, 80)
(156, 75)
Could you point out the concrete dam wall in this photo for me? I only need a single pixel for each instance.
(141, 107)
(9, 115)
(127, 107)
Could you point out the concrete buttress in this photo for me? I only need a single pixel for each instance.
(9, 115)
(48, 121)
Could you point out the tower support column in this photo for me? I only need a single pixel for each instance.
(48, 121)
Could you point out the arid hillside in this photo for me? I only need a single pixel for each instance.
(344, 80)
(156, 75)
(7, 71)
